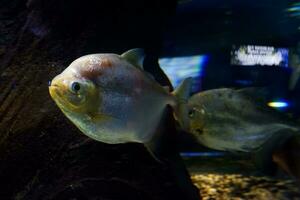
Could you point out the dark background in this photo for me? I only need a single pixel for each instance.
(43, 156)
(213, 27)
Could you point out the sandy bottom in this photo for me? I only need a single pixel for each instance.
(236, 186)
(237, 178)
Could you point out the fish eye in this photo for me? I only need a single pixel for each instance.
(199, 131)
(75, 87)
(192, 113)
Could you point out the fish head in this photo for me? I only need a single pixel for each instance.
(72, 93)
(200, 120)
(75, 91)
(200, 127)
(196, 116)
(84, 93)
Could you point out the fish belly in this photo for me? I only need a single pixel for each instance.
(134, 118)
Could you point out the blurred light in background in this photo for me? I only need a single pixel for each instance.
(202, 154)
(179, 68)
(294, 10)
(250, 55)
(244, 82)
(278, 104)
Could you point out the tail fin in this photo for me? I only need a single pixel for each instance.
(182, 94)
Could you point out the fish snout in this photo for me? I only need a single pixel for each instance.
(57, 81)
(199, 131)
(53, 86)
(192, 113)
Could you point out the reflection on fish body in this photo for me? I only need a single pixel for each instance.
(295, 65)
(236, 120)
(111, 99)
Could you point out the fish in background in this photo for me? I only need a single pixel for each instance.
(235, 120)
(111, 99)
(295, 65)
(239, 121)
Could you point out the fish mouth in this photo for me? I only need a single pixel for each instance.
(60, 96)
(54, 91)
(199, 131)
(57, 96)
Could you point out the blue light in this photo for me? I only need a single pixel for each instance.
(179, 68)
(294, 9)
(278, 104)
(202, 154)
(253, 55)
(244, 82)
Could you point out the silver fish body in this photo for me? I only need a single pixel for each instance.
(111, 99)
(231, 120)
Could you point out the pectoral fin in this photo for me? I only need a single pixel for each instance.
(96, 117)
(162, 141)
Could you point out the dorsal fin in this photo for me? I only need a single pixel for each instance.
(149, 75)
(182, 93)
(167, 88)
(260, 95)
(135, 57)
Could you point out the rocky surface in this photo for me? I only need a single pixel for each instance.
(43, 155)
(237, 187)
(236, 177)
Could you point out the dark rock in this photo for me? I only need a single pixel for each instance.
(43, 155)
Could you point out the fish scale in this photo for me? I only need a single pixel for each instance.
(115, 100)
(235, 120)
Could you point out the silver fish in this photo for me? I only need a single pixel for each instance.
(111, 99)
(236, 120)
(295, 65)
